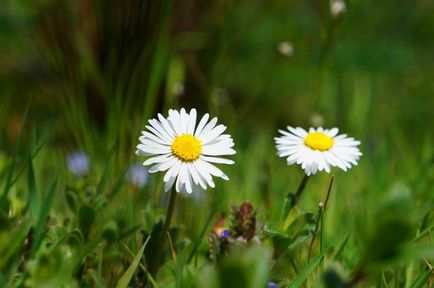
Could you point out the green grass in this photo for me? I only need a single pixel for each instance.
(92, 84)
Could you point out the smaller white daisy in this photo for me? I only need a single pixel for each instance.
(317, 150)
(185, 151)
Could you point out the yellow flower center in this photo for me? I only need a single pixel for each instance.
(318, 141)
(186, 147)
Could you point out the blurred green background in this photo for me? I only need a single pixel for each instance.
(93, 71)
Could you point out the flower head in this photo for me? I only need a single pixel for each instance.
(78, 163)
(137, 175)
(337, 7)
(186, 150)
(286, 48)
(225, 234)
(317, 150)
(271, 284)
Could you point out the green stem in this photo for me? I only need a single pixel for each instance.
(156, 264)
(169, 211)
(301, 187)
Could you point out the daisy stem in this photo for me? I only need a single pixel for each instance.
(170, 210)
(301, 187)
(158, 261)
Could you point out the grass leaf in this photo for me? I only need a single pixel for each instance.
(422, 278)
(128, 275)
(302, 276)
(43, 215)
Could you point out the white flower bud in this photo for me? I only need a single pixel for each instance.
(337, 8)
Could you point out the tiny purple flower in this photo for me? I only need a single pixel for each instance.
(137, 175)
(271, 284)
(225, 234)
(78, 163)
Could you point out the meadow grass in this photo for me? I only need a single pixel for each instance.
(91, 85)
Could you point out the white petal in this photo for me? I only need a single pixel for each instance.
(167, 126)
(157, 159)
(159, 128)
(216, 150)
(217, 160)
(192, 122)
(211, 135)
(169, 183)
(175, 120)
(300, 132)
(184, 121)
(147, 135)
(201, 124)
(164, 165)
(207, 127)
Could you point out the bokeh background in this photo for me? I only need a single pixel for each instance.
(91, 73)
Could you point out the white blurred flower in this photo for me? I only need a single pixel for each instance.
(137, 175)
(317, 150)
(286, 48)
(186, 151)
(316, 119)
(78, 163)
(337, 8)
(178, 89)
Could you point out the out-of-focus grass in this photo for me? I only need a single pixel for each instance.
(94, 71)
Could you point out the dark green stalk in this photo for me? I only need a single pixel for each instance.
(158, 261)
(301, 187)
(321, 210)
(170, 210)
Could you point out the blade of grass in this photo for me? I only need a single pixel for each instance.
(11, 169)
(202, 233)
(144, 269)
(33, 200)
(33, 155)
(422, 278)
(105, 174)
(38, 231)
(160, 57)
(341, 246)
(303, 275)
(128, 275)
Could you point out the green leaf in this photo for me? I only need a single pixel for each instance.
(422, 278)
(86, 216)
(302, 276)
(19, 235)
(43, 215)
(11, 169)
(341, 246)
(33, 200)
(202, 233)
(105, 174)
(128, 275)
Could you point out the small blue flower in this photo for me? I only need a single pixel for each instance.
(137, 175)
(225, 233)
(271, 284)
(78, 163)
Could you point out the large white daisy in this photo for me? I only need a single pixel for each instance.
(185, 151)
(318, 149)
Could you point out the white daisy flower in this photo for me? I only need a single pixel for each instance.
(318, 149)
(185, 151)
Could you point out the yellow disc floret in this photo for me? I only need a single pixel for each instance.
(186, 147)
(318, 141)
